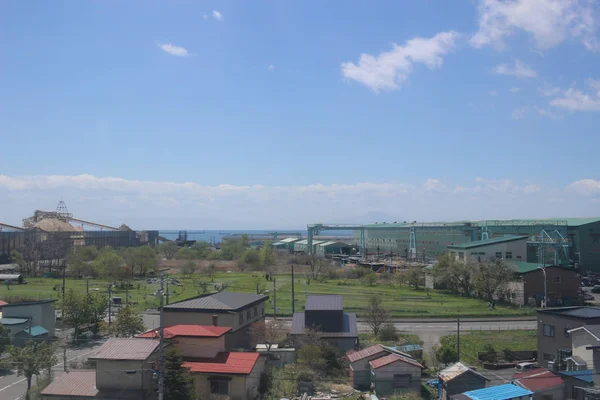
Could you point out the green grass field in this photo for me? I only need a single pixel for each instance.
(515, 340)
(402, 301)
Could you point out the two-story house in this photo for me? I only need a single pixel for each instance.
(18, 318)
(123, 371)
(325, 314)
(554, 342)
(231, 309)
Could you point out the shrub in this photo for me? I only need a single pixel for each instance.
(388, 333)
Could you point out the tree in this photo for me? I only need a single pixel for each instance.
(268, 333)
(179, 384)
(447, 352)
(128, 323)
(189, 268)
(28, 255)
(4, 338)
(388, 333)
(32, 359)
(80, 309)
(315, 263)
(490, 277)
(251, 257)
(211, 270)
(311, 357)
(267, 256)
(109, 264)
(413, 276)
(370, 278)
(79, 260)
(143, 258)
(168, 249)
(376, 315)
(185, 253)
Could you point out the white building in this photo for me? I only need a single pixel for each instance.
(511, 248)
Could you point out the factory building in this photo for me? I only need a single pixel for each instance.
(560, 241)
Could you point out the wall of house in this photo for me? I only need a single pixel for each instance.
(112, 374)
(580, 340)
(596, 367)
(553, 393)
(253, 379)
(361, 371)
(516, 293)
(200, 317)
(383, 378)
(463, 383)
(562, 286)
(237, 387)
(41, 314)
(345, 344)
(200, 347)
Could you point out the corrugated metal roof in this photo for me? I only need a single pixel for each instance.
(410, 347)
(3, 303)
(349, 328)
(13, 321)
(324, 302)
(574, 312)
(187, 330)
(29, 303)
(290, 240)
(333, 243)
(126, 349)
(538, 379)
(224, 363)
(37, 330)
(515, 222)
(487, 242)
(392, 358)
(455, 370)
(224, 301)
(76, 383)
(500, 392)
(586, 375)
(364, 353)
(278, 244)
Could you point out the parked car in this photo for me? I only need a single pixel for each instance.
(587, 296)
(596, 289)
(525, 366)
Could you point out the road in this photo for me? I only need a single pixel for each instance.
(13, 387)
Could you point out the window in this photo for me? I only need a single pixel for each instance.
(255, 312)
(556, 279)
(508, 255)
(262, 311)
(249, 315)
(549, 330)
(498, 254)
(519, 257)
(219, 387)
(402, 381)
(241, 318)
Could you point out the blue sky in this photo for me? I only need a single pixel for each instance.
(228, 114)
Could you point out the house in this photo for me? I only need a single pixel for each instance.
(395, 373)
(325, 314)
(231, 309)
(554, 343)
(545, 385)
(19, 318)
(123, 371)
(500, 392)
(458, 378)
(235, 375)
(575, 381)
(582, 357)
(215, 370)
(511, 247)
(563, 285)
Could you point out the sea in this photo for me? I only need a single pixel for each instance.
(216, 236)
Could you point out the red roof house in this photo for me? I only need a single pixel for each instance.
(541, 382)
(187, 331)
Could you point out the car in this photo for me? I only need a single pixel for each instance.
(588, 296)
(525, 366)
(596, 289)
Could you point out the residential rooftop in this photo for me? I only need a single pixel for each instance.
(225, 363)
(354, 356)
(324, 302)
(586, 375)
(500, 392)
(76, 383)
(456, 370)
(392, 358)
(574, 312)
(126, 349)
(218, 302)
(28, 303)
(538, 379)
(187, 330)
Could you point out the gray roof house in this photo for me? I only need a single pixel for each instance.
(325, 314)
(37, 315)
(233, 309)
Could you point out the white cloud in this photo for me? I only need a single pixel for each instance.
(217, 15)
(519, 69)
(548, 90)
(173, 205)
(174, 50)
(271, 67)
(550, 22)
(576, 100)
(493, 93)
(514, 90)
(547, 113)
(519, 113)
(389, 69)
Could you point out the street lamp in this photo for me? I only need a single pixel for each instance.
(545, 292)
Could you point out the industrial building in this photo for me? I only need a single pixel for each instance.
(557, 241)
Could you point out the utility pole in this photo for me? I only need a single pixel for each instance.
(109, 303)
(161, 367)
(127, 294)
(167, 292)
(458, 337)
(293, 294)
(274, 299)
(65, 356)
(87, 285)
